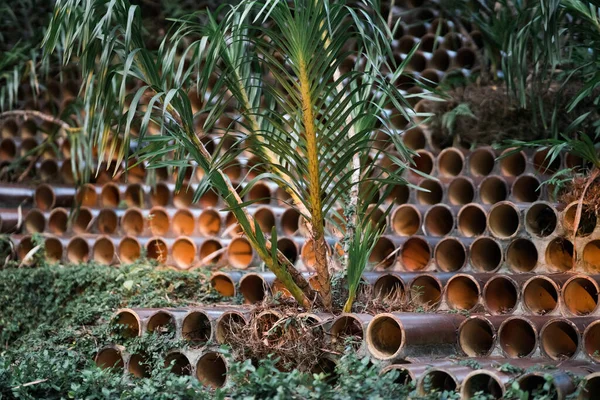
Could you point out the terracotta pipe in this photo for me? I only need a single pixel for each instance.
(103, 251)
(183, 223)
(591, 256)
(461, 191)
(178, 363)
(86, 196)
(260, 193)
(540, 295)
(415, 254)
(522, 255)
(394, 336)
(485, 381)
(232, 227)
(423, 162)
(406, 220)
(428, 42)
(255, 287)
(157, 249)
(485, 254)
(110, 195)
(590, 387)
(541, 219)
(349, 326)
(465, 58)
(414, 138)
(54, 249)
(9, 128)
(135, 195)
(58, 221)
(477, 335)
(561, 383)
(518, 336)
(225, 282)
(431, 77)
(406, 44)
(426, 289)
(197, 326)
(591, 341)
(559, 255)
(160, 195)
(47, 170)
(559, 339)
(47, 197)
(266, 326)
(265, 218)
(240, 254)
(129, 250)
(543, 164)
(580, 295)
(450, 255)
(439, 221)
(526, 189)
(463, 292)
(107, 221)
(450, 162)
(184, 252)
(209, 222)
(113, 357)
(512, 164)
(388, 286)
(501, 295)
(211, 369)
(82, 221)
(78, 250)
(384, 253)
(288, 248)
(493, 189)
(230, 324)
(159, 221)
(8, 149)
(129, 321)
(399, 194)
(289, 221)
(212, 252)
(587, 223)
(481, 162)
(472, 220)
(504, 220)
(430, 192)
(139, 366)
(442, 379)
(34, 221)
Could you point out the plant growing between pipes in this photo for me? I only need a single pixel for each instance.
(307, 122)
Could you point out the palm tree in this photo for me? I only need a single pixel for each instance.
(300, 110)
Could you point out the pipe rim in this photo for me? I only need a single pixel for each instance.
(438, 285)
(478, 264)
(497, 208)
(371, 333)
(225, 277)
(530, 281)
(415, 216)
(514, 285)
(455, 241)
(111, 348)
(188, 336)
(263, 283)
(569, 282)
(215, 357)
(464, 391)
(135, 316)
(461, 214)
(456, 278)
(584, 342)
(335, 329)
(547, 325)
(529, 324)
(463, 325)
(421, 380)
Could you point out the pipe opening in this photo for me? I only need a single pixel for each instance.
(211, 251)
(418, 61)
(134, 195)
(526, 189)
(110, 196)
(559, 339)
(517, 337)
(223, 284)
(86, 196)
(504, 220)
(440, 60)
(450, 162)
(54, 249)
(110, 358)
(10, 128)
(158, 222)
(34, 222)
(196, 328)
(450, 255)
(83, 217)
(44, 197)
(427, 43)
(231, 225)
(543, 164)
(139, 366)
(240, 253)
(25, 246)
(78, 251)
(127, 324)
(587, 222)
(288, 248)
(208, 200)
(472, 220)
(534, 385)
(183, 223)
(591, 341)
(481, 162)
(260, 193)
(161, 323)
(426, 291)
(307, 254)
(157, 249)
(437, 381)
(385, 337)
(486, 255)
(48, 170)
(289, 221)
(347, 329)
(326, 366)
(423, 162)
(66, 172)
(233, 170)
(415, 254)
(461, 191)
(462, 292)
(230, 324)
(482, 383)
(540, 295)
(8, 149)
(383, 253)
(439, 221)
(513, 164)
(522, 255)
(406, 220)
(265, 219)
(103, 251)
(129, 250)
(159, 195)
(253, 288)
(107, 221)
(209, 222)
(184, 253)
(414, 138)
(501, 295)
(283, 198)
(559, 254)
(591, 388)
(388, 286)
(211, 370)
(406, 44)
(132, 222)
(430, 192)
(399, 194)
(184, 198)
(541, 220)
(493, 190)
(178, 363)
(476, 337)
(465, 58)
(377, 217)
(580, 295)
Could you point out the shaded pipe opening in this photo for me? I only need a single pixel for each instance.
(461, 191)
(450, 162)
(110, 357)
(178, 364)
(253, 288)
(78, 251)
(288, 248)
(129, 250)
(406, 220)
(289, 221)
(450, 255)
(385, 337)
(158, 221)
(196, 328)
(110, 196)
(493, 190)
(260, 193)
(439, 221)
(103, 251)
(157, 249)
(34, 221)
(504, 220)
(591, 388)
(541, 220)
(399, 194)
(127, 324)
(540, 295)
(415, 254)
(134, 195)
(86, 196)
(230, 324)
(44, 197)
(559, 254)
(54, 249)
(591, 341)
(481, 162)
(543, 164)
(388, 286)
(465, 58)
(501, 295)
(266, 219)
(107, 221)
(383, 253)
(472, 220)
(580, 295)
(414, 138)
(139, 366)
(160, 195)
(482, 382)
(534, 384)
(161, 323)
(184, 198)
(591, 256)
(209, 222)
(486, 254)
(426, 291)
(211, 251)
(423, 161)
(83, 217)
(513, 164)
(476, 337)
(430, 192)
(347, 329)
(208, 199)
(437, 380)
(526, 189)
(559, 339)
(132, 222)
(522, 255)
(211, 370)
(517, 337)
(462, 293)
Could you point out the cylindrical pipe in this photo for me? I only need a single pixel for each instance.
(225, 283)
(559, 339)
(184, 252)
(501, 295)
(560, 382)
(47, 197)
(472, 220)
(415, 254)
(590, 388)
(439, 220)
(450, 255)
(450, 162)
(34, 222)
(522, 255)
(197, 328)
(255, 287)
(138, 366)
(485, 254)
(426, 291)
(211, 252)
(103, 251)
(540, 295)
(526, 189)
(178, 363)
(493, 189)
(83, 220)
(591, 341)
(393, 336)
(482, 161)
(78, 250)
(580, 295)
(157, 249)
(442, 379)
(423, 162)
(86, 196)
(289, 221)
(541, 219)
(461, 191)
(211, 369)
(414, 138)
(349, 327)
(591, 256)
(504, 220)
(111, 356)
(463, 292)
(54, 249)
(559, 255)
(265, 218)
(158, 221)
(183, 223)
(160, 195)
(107, 221)
(129, 250)
(58, 221)
(209, 222)
(260, 193)
(132, 222)
(384, 253)
(517, 337)
(406, 220)
(477, 335)
(430, 192)
(490, 383)
(389, 286)
(240, 254)
(513, 163)
(230, 326)
(110, 195)
(544, 164)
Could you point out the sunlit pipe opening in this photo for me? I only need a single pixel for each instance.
(559, 339)
(211, 370)
(462, 292)
(208, 199)
(129, 250)
(160, 195)
(78, 251)
(211, 252)
(183, 223)
(196, 328)
(209, 223)
(232, 227)
(240, 253)
(522, 255)
(580, 295)
(486, 254)
(439, 221)
(450, 162)
(110, 196)
(253, 288)
(132, 222)
(385, 337)
(540, 295)
(223, 284)
(139, 366)
(415, 254)
(517, 337)
(34, 221)
(406, 220)
(504, 220)
(107, 221)
(158, 221)
(476, 337)
(450, 255)
(157, 249)
(493, 190)
(103, 251)
(184, 252)
(110, 357)
(559, 255)
(461, 191)
(501, 295)
(481, 162)
(426, 291)
(482, 382)
(178, 363)
(183, 198)
(472, 220)
(161, 323)
(541, 220)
